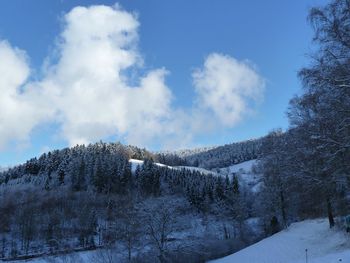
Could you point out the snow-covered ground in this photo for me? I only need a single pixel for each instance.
(242, 170)
(245, 174)
(93, 256)
(190, 231)
(135, 163)
(323, 245)
(245, 167)
(198, 169)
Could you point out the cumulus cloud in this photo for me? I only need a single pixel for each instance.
(92, 95)
(18, 112)
(227, 87)
(87, 92)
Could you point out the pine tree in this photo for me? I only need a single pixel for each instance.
(98, 176)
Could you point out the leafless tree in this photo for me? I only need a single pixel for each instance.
(160, 225)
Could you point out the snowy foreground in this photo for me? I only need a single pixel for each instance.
(78, 257)
(323, 244)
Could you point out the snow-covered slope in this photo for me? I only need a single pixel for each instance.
(244, 170)
(245, 167)
(323, 245)
(135, 163)
(245, 174)
(198, 169)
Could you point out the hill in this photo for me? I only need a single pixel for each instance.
(221, 156)
(105, 196)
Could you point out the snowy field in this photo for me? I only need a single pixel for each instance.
(324, 245)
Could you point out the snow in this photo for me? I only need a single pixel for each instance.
(76, 257)
(243, 170)
(324, 245)
(135, 163)
(197, 169)
(245, 174)
(190, 152)
(245, 167)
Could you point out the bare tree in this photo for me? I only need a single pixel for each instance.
(130, 231)
(321, 114)
(106, 255)
(160, 225)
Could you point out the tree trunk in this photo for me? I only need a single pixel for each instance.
(330, 213)
(129, 250)
(283, 209)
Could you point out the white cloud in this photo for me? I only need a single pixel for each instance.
(18, 112)
(88, 85)
(227, 87)
(87, 92)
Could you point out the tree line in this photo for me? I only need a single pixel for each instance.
(306, 169)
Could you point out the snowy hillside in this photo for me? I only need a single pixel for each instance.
(244, 171)
(135, 163)
(324, 245)
(197, 169)
(245, 167)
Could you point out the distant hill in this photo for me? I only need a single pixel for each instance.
(222, 156)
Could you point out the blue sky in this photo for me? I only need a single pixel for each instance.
(265, 40)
